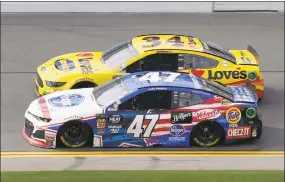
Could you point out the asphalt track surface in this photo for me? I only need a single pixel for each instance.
(27, 40)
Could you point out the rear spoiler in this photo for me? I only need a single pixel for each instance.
(254, 53)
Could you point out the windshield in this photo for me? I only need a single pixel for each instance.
(216, 88)
(119, 54)
(110, 92)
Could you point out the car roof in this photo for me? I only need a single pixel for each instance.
(141, 44)
(134, 81)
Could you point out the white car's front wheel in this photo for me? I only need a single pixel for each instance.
(74, 134)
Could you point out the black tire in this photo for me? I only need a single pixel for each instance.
(84, 85)
(207, 134)
(74, 134)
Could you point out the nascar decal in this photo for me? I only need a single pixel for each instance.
(69, 100)
(233, 115)
(207, 114)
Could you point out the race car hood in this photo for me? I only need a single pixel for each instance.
(73, 63)
(244, 57)
(66, 105)
(242, 94)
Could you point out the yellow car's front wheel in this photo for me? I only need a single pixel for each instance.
(83, 85)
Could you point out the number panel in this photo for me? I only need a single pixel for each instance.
(155, 77)
(174, 41)
(136, 127)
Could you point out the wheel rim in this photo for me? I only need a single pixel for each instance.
(74, 132)
(207, 133)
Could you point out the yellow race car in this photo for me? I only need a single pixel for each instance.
(152, 52)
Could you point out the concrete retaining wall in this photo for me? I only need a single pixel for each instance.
(203, 7)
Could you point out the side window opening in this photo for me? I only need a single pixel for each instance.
(188, 99)
(199, 62)
(155, 62)
(148, 100)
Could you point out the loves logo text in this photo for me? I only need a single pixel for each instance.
(218, 75)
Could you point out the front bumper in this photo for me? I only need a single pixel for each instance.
(40, 88)
(36, 137)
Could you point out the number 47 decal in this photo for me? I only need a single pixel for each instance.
(136, 127)
(154, 77)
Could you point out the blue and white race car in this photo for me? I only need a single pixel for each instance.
(144, 109)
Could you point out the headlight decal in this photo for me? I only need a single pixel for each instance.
(55, 84)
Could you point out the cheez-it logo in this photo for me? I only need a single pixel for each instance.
(239, 132)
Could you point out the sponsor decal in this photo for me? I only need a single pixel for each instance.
(233, 115)
(176, 130)
(217, 98)
(225, 102)
(101, 121)
(252, 75)
(239, 132)
(181, 117)
(177, 139)
(254, 132)
(233, 125)
(207, 114)
(69, 100)
(218, 75)
(64, 64)
(198, 73)
(114, 130)
(250, 113)
(115, 119)
(85, 66)
(72, 117)
(114, 126)
(50, 139)
(85, 54)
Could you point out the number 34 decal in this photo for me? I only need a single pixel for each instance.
(136, 127)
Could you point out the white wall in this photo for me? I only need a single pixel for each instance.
(137, 6)
(248, 6)
(106, 7)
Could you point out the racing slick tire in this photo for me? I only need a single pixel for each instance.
(207, 134)
(83, 85)
(74, 134)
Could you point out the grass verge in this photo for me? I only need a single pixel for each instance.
(144, 176)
